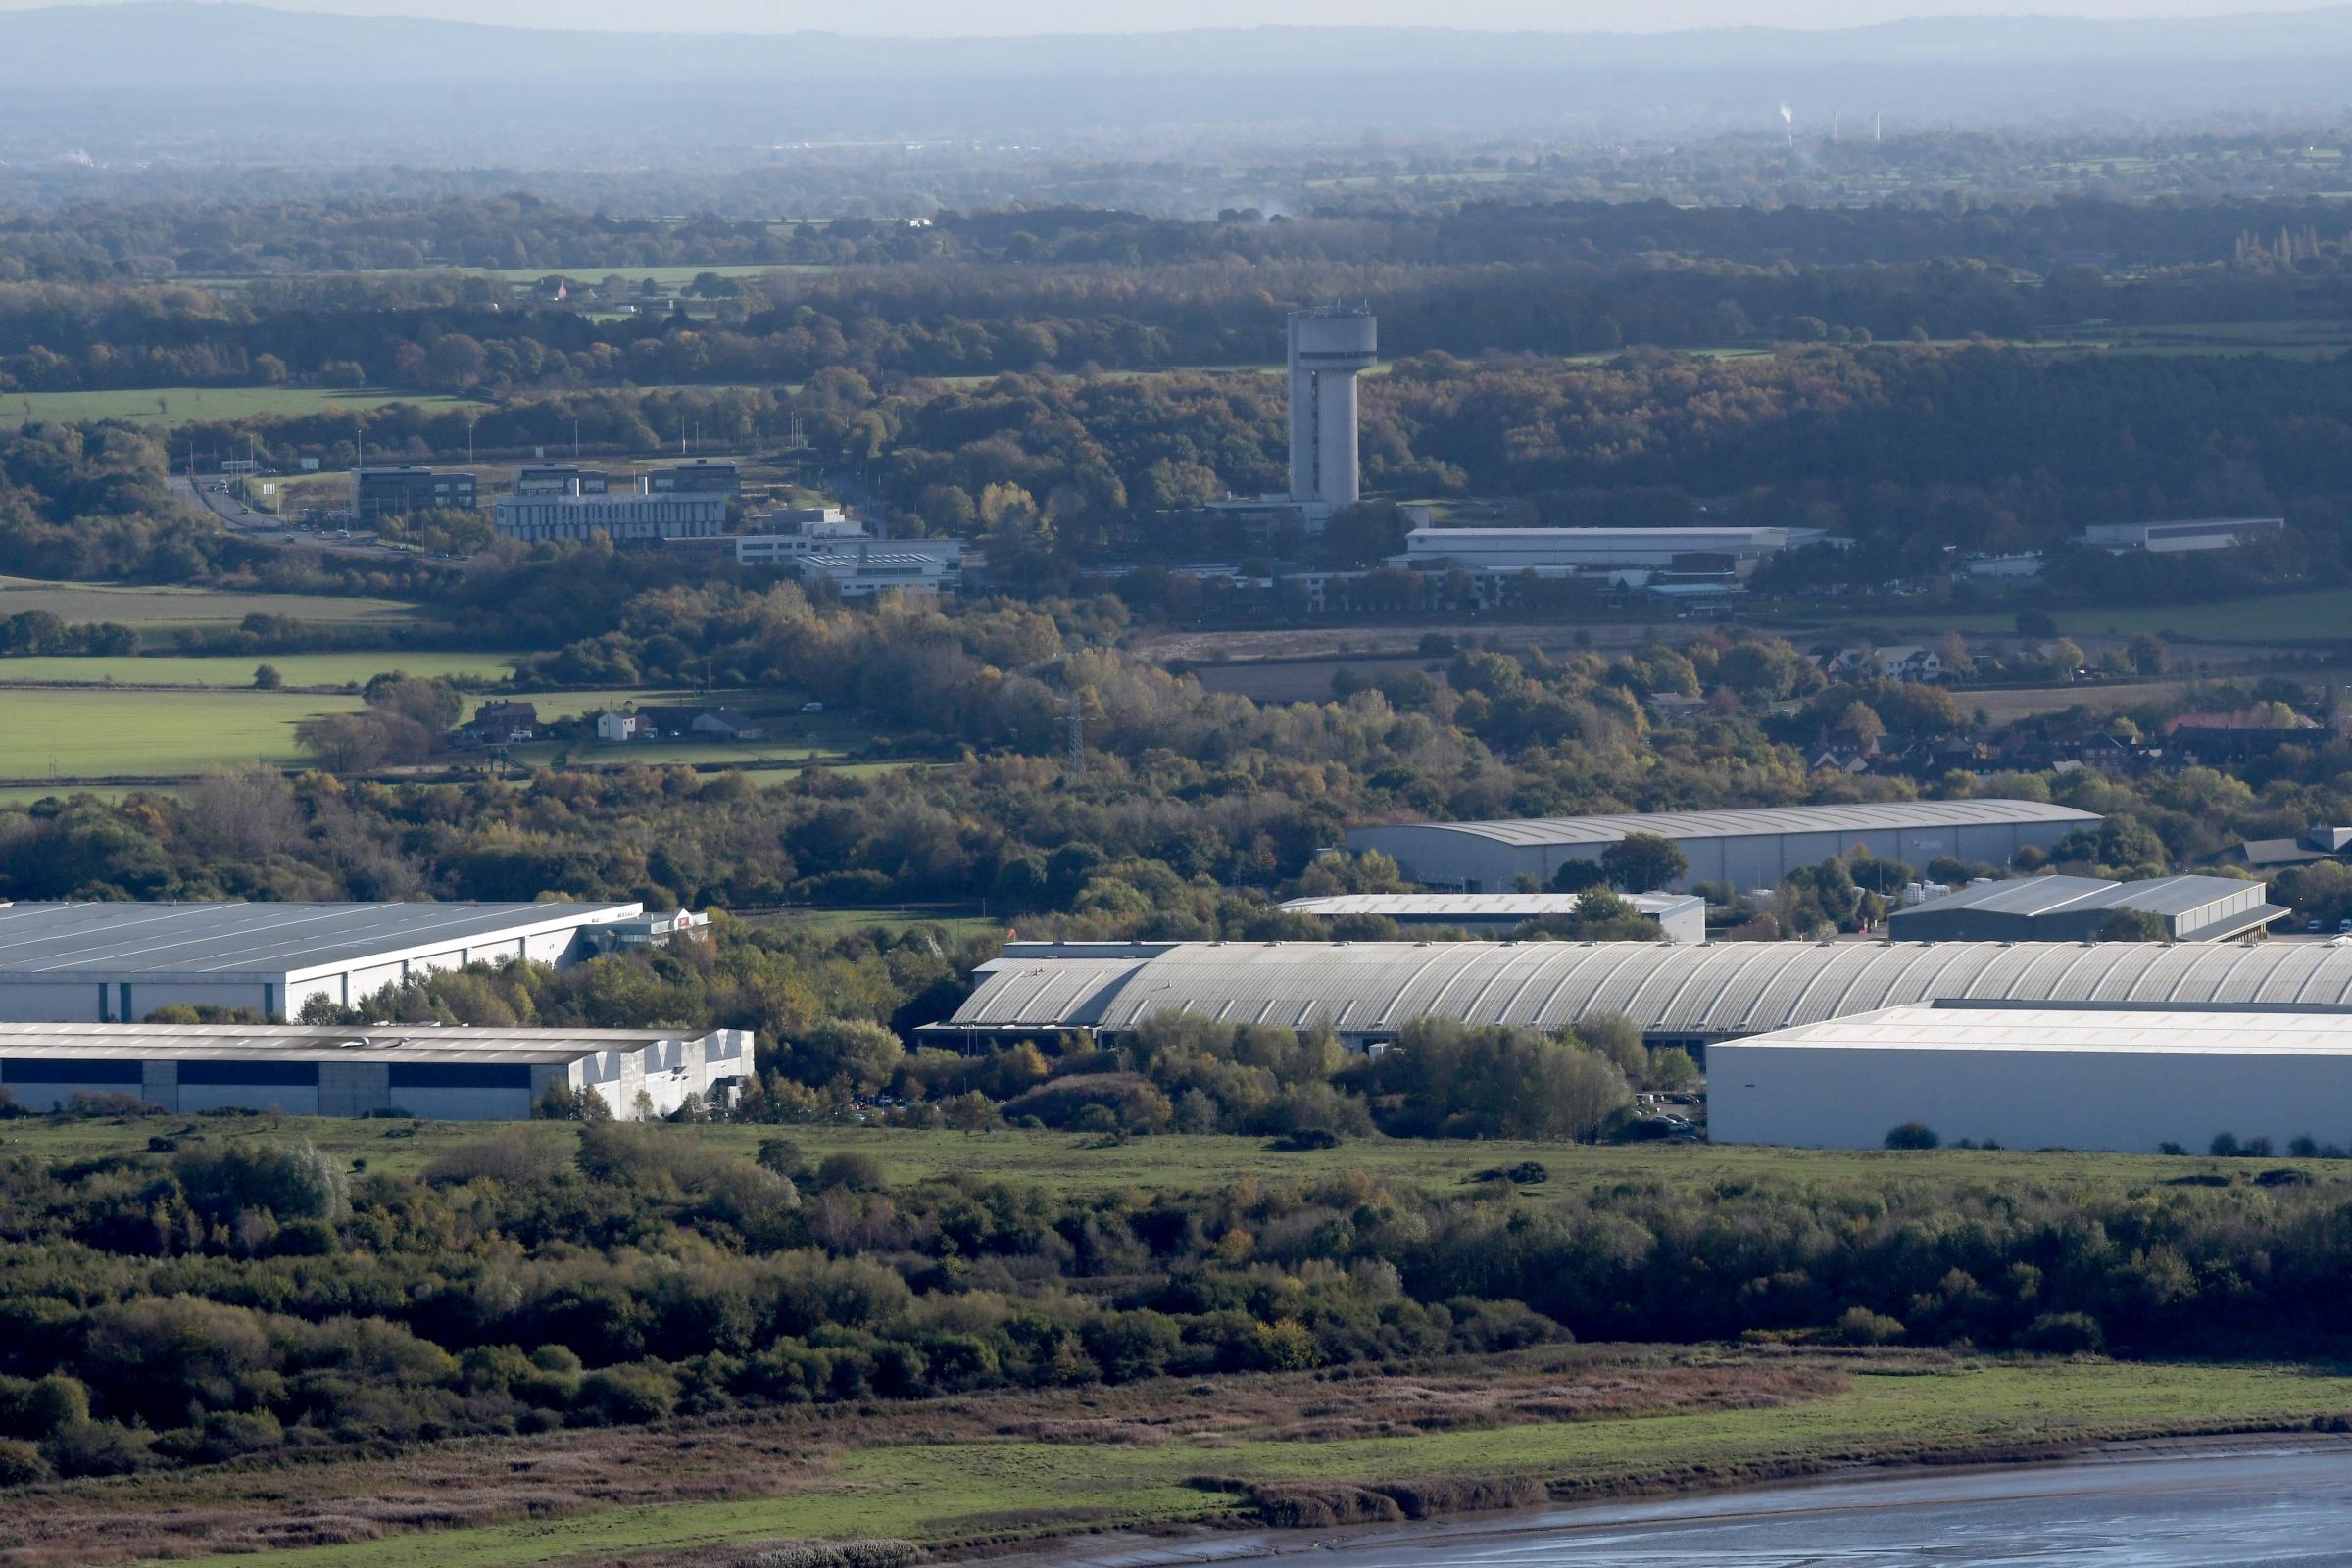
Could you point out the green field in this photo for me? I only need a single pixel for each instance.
(233, 672)
(2317, 615)
(960, 923)
(1084, 1162)
(132, 732)
(169, 608)
(172, 406)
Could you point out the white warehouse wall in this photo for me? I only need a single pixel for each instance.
(1841, 1097)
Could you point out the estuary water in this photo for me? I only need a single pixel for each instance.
(2261, 1506)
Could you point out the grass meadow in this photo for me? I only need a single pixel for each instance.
(167, 609)
(1084, 1162)
(169, 407)
(1003, 1490)
(227, 672)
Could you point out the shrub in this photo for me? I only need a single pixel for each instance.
(2225, 1146)
(854, 1169)
(1859, 1325)
(99, 1448)
(1912, 1135)
(21, 1463)
(616, 1396)
(877, 1553)
(286, 1181)
(2064, 1334)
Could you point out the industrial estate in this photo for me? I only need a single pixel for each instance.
(801, 801)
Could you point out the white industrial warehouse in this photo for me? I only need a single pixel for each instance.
(1744, 849)
(2068, 1077)
(1681, 917)
(1367, 992)
(101, 962)
(438, 1073)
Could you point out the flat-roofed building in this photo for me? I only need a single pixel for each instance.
(2077, 909)
(560, 479)
(2172, 538)
(1682, 915)
(879, 568)
(438, 1073)
(118, 962)
(2131, 1076)
(626, 516)
(1751, 849)
(1603, 552)
(399, 492)
(1367, 992)
(703, 476)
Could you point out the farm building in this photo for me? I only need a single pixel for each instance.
(1744, 849)
(1682, 915)
(442, 1074)
(101, 962)
(1367, 992)
(2128, 1078)
(2077, 909)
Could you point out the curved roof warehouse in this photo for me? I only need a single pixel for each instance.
(1746, 849)
(1369, 991)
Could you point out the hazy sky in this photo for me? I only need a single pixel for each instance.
(961, 18)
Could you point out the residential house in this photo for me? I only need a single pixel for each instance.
(2247, 732)
(619, 726)
(1864, 663)
(1910, 664)
(505, 723)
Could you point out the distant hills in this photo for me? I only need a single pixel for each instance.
(205, 67)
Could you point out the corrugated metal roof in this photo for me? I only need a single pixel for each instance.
(1474, 905)
(230, 938)
(2048, 895)
(22, 1042)
(1713, 991)
(1854, 818)
(2182, 1031)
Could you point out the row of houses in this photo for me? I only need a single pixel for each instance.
(514, 723)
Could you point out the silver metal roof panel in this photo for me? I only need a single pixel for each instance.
(51, 940)
(1765, 822)
(1719, 989)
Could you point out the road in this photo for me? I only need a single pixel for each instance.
(2261, 1506)
(262, 527)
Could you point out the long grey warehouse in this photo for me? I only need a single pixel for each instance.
(2062, 909)
(2039, 1078)
(1369, 991)
(1746, 849)
(100, 963)
(441, 1074)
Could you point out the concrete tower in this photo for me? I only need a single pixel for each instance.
(1330, 346)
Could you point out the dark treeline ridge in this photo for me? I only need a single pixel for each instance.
(136, 241)
(1070, 287)
(216, 1297)
(1909, 449)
